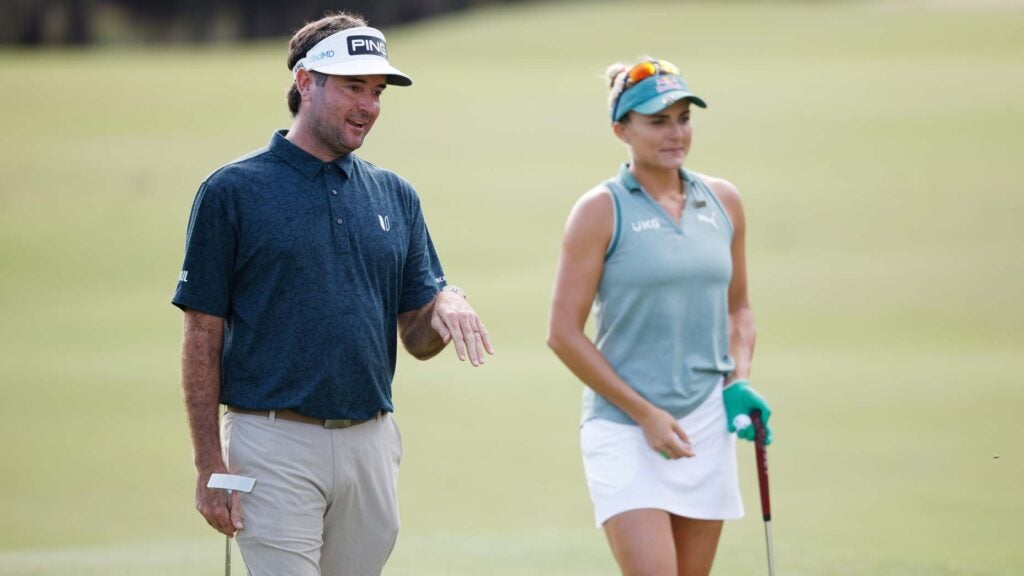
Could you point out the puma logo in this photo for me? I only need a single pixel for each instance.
(708, 219)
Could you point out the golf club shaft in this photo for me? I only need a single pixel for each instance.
(227, 543)
(761, 452)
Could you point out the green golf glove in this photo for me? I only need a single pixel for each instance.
(739, 399)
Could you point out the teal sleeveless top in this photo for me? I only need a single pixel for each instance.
(662, 305)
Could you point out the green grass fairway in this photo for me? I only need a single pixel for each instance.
(878, 149)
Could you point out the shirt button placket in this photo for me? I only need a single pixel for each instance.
(340, 230)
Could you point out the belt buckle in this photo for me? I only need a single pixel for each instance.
(334, 424)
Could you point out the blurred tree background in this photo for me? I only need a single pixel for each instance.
(82, 22)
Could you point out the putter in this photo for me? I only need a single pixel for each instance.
(762, 479)
(230, 483)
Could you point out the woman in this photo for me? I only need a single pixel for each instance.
(658, 251)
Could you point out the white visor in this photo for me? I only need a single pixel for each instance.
(353, 52)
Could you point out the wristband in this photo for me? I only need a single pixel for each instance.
(454, 290)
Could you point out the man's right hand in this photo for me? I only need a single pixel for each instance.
(200, 379)
(213, 504)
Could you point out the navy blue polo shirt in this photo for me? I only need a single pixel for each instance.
(310, 264)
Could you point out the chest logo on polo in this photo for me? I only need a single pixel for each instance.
(708, 219)
(385, 222)
(641, 225)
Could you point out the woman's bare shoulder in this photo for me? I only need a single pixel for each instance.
(725, 190)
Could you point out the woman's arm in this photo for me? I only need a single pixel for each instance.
(742, 333)
(587, 234)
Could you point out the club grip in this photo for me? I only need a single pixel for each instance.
(762, 463)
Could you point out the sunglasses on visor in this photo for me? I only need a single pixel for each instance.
(649, 68)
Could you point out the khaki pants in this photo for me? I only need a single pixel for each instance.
(325, 501)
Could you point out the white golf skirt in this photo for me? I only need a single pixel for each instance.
(624, 473)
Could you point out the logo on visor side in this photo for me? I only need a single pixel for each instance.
(360, 45)
(321, 56)
(666, 83)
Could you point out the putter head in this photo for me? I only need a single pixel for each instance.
(231, 482)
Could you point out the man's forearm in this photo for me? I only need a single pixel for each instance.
(200, 379)
(418, 336)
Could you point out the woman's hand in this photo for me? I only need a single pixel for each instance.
(665, 435)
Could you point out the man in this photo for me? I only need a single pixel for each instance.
(303, 266)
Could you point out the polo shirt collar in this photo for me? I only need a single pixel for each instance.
(627, 179)
(303, 161)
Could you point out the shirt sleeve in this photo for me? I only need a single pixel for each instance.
(204, 283)
(422, 275)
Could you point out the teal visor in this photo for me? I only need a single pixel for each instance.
(654, 94)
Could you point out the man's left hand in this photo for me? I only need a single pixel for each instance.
(456, 321)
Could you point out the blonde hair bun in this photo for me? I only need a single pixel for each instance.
(613, 72)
